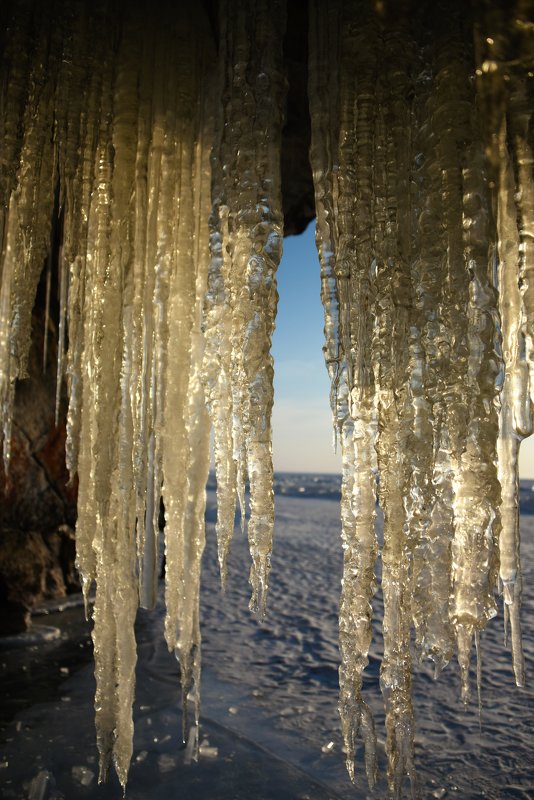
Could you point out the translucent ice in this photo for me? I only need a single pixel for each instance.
(140, 160)
(423, 186)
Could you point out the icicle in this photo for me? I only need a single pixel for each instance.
(151, 132)
(86, 103)
(183, 630)
(355, 419)
(99, 433)
(84, 218)
(431, 519)
(477, 492)
(392, 359)
(217, 383)
(48, 292)
(122, 552)
(250, 226)
(504, 46)
(353, 270)
(63, 294)
(101, 384)
(358, 583)
(185, 423)
(515, 420)
(173, 298)
(217, 368)
(324, 35)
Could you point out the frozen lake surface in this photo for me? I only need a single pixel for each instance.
(269, 696)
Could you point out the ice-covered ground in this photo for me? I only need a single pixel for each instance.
(269, 711)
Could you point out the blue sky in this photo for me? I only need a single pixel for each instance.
(302, 429)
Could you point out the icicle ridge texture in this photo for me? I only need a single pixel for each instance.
(422, 163)
(140, 169)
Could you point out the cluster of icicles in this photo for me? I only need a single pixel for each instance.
(160, 162)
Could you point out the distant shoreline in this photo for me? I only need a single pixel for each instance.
(327, 486)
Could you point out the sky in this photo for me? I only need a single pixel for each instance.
(302, 422)
(302, 427)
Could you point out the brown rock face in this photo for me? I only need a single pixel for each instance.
(33, 568)
(37, 506)
(36, 494)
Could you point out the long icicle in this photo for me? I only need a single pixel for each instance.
(504, 45)
(250, 219)
(217, 364)
(393, 234)
(184, 483)
(477, 491)
(356, 434)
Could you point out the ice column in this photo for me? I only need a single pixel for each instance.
(332, 155)
(246, 242)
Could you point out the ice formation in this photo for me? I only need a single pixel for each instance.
(155, 161)
(422, 160)
(246, 243)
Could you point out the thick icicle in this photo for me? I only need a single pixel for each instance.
(185, 467)
(250, 225)
(355, 419)
(98, 431)
(504, 55)
(106, 519)
(183, 630)
(354, 271)
(477, 491)
(122, 552)
(392, 240)
(217, 369)
(431, 516)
